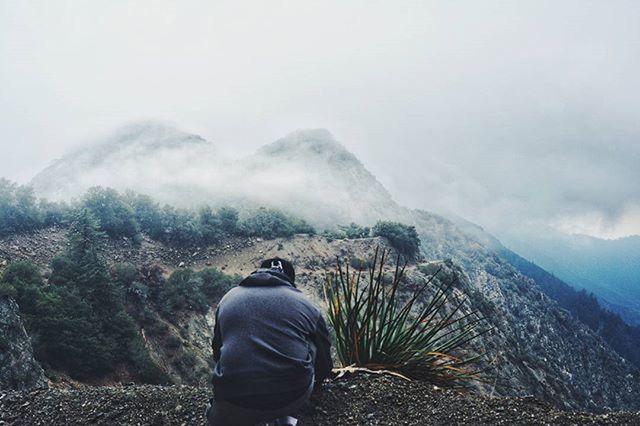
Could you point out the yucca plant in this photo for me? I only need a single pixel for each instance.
(381, 326)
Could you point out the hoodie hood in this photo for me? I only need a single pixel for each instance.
(266, 278)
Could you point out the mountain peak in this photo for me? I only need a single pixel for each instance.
(152, 134)
(133, 154)
(305, 142)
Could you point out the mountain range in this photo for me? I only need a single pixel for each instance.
(539, 346)
(312, 175)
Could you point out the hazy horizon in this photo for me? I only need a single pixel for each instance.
(507, 114)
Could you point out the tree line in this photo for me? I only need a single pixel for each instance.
(130, 215)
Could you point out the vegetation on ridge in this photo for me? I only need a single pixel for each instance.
(129, 214)
(403, 238)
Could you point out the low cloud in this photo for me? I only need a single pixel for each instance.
(507, 113)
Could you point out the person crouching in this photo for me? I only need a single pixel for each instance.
(271, 345)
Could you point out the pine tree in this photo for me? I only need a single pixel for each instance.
(94, 326)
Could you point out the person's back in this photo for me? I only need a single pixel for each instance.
(270, 344)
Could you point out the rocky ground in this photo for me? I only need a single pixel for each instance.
(357, 400)
(42, 245)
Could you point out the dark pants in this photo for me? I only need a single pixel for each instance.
(224, 413)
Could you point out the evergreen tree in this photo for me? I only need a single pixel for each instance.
(228, 219)
(210, 226)
(92, 323)
(19, 211)
(402, 237)
(114, 214)
(148, 214)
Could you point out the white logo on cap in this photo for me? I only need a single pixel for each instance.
(276, 264)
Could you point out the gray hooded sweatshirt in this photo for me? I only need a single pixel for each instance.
(268, 339)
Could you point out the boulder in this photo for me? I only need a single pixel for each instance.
(18, 369)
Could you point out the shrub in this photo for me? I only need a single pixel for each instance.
(180, 227)
(357, 263)
(376, 330)
(268, 223)
(124, 274)
(403, 238)
(22, 280)
(331, 235)
(188, 290)
(116, 217)
(210, 226)
(53, 213)
(182, 292)
(148, 214)
(18, 209)
(214, 284)
(127, 277)
(353, 231)
(144, 367)
(7, 289)
(228, 219)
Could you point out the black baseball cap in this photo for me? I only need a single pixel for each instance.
(280, 265)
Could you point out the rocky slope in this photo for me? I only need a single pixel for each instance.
(18, 369)
(536, 348)
(357, 400)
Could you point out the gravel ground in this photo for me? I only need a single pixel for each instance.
(356, 400)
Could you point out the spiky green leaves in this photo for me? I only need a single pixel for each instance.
(383, 322)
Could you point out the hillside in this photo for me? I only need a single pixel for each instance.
(607, 268)
(624, 338)
(536, 348)
(357, 400)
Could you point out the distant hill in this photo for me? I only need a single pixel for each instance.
(149, 157)
(608, 268)
(623, 337)
(306, 172)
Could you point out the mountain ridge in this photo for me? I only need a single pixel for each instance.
(610, 269)
(539, 347)
(536, 348)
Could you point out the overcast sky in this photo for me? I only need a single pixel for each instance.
(505, 112)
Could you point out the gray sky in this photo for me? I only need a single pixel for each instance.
(506, 112)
